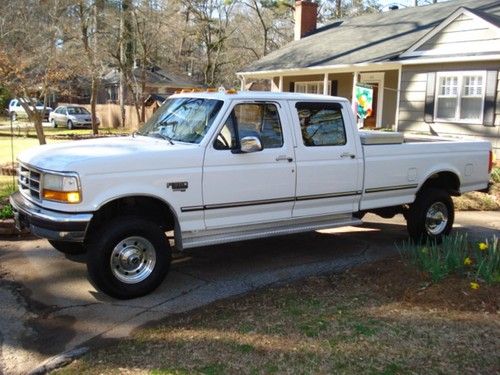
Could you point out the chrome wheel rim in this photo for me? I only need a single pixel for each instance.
(436, 218)
(133, 260)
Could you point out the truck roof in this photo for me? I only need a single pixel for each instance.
(259, 95)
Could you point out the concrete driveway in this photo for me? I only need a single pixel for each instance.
(48, 306)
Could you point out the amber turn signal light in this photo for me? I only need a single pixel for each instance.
(62, 196)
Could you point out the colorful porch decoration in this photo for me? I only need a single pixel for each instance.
(364, 100)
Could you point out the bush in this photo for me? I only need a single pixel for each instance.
(455, 255)
(6, 212)
(495, 175)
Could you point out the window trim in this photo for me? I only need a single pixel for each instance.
(229, 113)
(317, 83)
(340, 108)
(460, 74)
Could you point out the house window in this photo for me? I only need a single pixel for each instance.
(460, 96)
(315, 87)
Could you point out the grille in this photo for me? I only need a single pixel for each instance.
(29, 182)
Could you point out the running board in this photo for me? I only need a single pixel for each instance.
(251, 232)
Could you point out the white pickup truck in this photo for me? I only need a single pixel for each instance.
(229, 166)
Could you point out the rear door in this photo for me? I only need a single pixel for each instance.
(329, 160)
(246, 188)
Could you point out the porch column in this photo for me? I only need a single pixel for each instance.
(325, 84)
(280, 84)
(243, 81)
(353, 98)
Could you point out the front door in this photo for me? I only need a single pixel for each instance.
(371, 121)
(245, 188)
(376, 80)
(329, 162)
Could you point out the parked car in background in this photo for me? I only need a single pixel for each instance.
(16, 109)
(71, 116)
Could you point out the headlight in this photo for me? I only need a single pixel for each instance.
(61, 188)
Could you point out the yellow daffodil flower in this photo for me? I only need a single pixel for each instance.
(474, 285)
(483, 246)
(467, 261)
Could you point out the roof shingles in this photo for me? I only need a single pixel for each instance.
(369, 38)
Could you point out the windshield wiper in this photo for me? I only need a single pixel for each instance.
(162, 136)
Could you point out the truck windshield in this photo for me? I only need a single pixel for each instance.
(182, 119)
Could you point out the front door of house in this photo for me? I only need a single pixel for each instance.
(376, 80)
(371, 121)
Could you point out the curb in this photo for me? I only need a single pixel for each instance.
(59, 361)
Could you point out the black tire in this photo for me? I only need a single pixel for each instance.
(70, 248)
(70, 124)
(425, 217)
(103, 250)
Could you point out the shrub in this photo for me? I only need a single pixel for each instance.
(6, 212)
(455, 255)
(495, 175)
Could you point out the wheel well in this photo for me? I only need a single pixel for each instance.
(143, 206)
(447, 181)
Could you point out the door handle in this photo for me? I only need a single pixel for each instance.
(347, 155)
(284, 158)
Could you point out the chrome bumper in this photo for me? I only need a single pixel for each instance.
(53, 225)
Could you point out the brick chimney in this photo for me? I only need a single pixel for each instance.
(306, 16)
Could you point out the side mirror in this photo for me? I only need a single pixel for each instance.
(250, 144)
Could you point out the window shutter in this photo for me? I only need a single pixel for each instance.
(430, 97)
(292, 86)
(490, 97)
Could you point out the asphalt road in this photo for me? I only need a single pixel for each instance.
(48, 306)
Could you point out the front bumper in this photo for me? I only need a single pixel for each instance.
(53, 225)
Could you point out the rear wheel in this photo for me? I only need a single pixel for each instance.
(431, 216)
(13, 116)
(53, 123)
(70, 248)
(70, 124)
(129, 257)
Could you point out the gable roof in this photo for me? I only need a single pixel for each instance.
(374, 37)
(480, 21)
(155, 76)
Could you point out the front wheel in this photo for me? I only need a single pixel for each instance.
(431, 216)
(53, 123)
(13, 116)
(70, 124)
(70, 248)
(129, 257)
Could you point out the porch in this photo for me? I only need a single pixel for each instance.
(385, 83)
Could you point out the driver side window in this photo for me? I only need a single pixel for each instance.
(251, 119)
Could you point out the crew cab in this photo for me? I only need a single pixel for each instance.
(211, 168)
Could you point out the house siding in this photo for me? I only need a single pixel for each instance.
(464, 35)
(412, 104)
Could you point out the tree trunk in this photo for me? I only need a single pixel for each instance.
(39, 127)
(143, 93)
(36, 117)
(93, 101)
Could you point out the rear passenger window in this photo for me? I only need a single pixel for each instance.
(321, 124)
(257, 120)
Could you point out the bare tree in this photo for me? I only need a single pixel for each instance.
(31, 53)
(88, 16)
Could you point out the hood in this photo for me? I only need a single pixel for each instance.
(108, 155)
